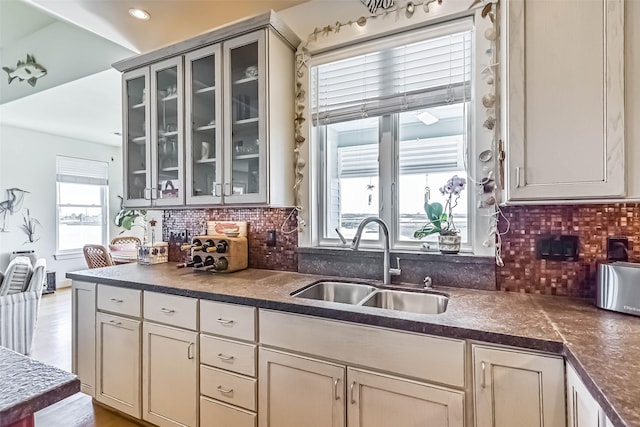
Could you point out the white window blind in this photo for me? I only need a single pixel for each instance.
(422, 74)
(81, 171)
(416, 156)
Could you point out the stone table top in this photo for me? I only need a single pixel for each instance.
(26, 386)
(603, 347)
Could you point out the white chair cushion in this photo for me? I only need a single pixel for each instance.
(39, 276)
(17, 276)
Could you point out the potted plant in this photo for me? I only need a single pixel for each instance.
(441, 217)
(126, 218)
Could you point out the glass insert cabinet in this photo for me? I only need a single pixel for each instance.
(213, 125)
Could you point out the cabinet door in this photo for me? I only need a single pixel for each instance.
(167, 153)
(169, 373)
(297, 391)
(564, 99)
(137, 138)
(583, 410)
(83, 311)
(377, 400)
(515, 388)
(245, 119)
(203, 115)
(118, 363)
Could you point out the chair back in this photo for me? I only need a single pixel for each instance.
(125, 241)
(97, 256)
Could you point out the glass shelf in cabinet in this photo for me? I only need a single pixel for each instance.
(245, 80)
(205, 90)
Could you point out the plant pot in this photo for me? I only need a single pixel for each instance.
(449, 243)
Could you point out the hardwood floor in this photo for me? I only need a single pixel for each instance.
(52, 345)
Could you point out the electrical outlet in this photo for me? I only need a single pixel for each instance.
(557, 248)
(271, 238)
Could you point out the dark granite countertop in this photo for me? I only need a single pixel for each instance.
(26, 386)
(602, 346)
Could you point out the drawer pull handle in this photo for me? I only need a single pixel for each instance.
(117, 301)
(224, 321)
(114, 323)
(335, 388)
(167, 310)
(353, 384)
(189, 354)
(484, 377)
(223, 357)
(225, 390)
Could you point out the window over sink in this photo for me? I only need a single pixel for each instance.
(390, 125)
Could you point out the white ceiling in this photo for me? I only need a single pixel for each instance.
(80, 96)
(171, 20)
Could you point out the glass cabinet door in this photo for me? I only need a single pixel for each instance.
(166, 132)
(204, 180)
(245, 118)
(135, 121)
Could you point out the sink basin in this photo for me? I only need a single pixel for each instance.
(344, 292)
(407, 301)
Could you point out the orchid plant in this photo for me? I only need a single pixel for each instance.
(441, 217)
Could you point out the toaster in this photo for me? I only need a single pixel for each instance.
(618, 287)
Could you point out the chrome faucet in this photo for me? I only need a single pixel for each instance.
(388, 271)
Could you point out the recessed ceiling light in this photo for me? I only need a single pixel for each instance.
(139, 14)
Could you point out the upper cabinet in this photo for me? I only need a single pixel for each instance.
(209, 121)
(563, 98)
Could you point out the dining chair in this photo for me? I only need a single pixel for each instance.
(97, 256)
(125, 241)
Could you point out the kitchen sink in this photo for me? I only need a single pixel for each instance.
(370, 296)
(344, 292)
(412, 302)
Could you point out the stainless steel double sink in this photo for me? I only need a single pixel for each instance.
(371, 296)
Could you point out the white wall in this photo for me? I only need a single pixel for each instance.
(28, 161)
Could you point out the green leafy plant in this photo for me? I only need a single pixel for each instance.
(126, 218)
(441, 217)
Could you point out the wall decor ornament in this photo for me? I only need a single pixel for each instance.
(11, 205)
(29, 227)
(28, 70)
(373, 5)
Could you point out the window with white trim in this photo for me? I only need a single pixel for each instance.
(390, 120)
(82, 210)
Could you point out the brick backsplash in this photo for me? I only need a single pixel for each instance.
(591, 223)
(283, 256)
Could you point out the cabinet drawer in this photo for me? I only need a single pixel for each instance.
(217, 414)
(228, 387)
(229, 355)
(229, 320)
(170, 309)
(420, 356)
(119, 300)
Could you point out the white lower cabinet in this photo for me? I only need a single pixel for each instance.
(299, 391)
(83, 312)
(376, 399)
(118, 363)
(516, 388)
(169, 375)
(582, 408)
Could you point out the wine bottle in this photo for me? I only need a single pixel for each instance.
(222, 264)
(209, 246)
(222, 246)
(196, 246)
(185, 264)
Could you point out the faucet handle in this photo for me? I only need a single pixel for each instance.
(396, 271)
(342, 239)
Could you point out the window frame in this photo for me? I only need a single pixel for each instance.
(104, 205)
(388, 139)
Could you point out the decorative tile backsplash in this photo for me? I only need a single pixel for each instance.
(522, 271)
(283, 256)
(591, 223)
